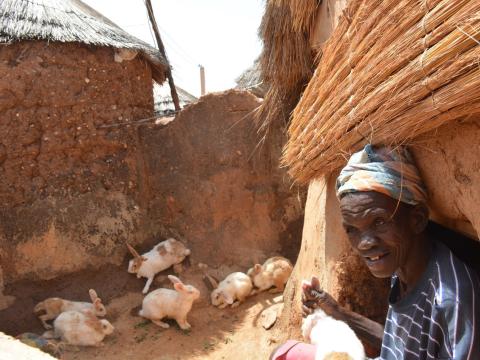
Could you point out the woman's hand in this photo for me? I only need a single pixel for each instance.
(313, 297)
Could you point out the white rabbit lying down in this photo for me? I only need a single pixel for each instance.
(232, 291)
(334, 338)
(167, 303)
(80, 328)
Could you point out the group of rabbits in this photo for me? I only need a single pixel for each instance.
(78, 323)
(75, 322)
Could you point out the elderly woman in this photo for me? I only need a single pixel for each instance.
(434, 302)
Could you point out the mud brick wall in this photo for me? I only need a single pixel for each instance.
(68, 180)
(209, 184)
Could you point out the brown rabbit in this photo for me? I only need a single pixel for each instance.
(274, 272)
(50, 308)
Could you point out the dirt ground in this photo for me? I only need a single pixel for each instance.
(216, 334)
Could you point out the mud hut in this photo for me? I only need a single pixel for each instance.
(70, 79)
(162, 98)
(336, 116)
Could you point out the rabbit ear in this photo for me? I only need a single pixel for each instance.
(93, 295)
(133, 251)
(213, 282)
(174, 279)
(257, 268)
(179, 286)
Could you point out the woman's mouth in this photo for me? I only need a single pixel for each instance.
(374, 259)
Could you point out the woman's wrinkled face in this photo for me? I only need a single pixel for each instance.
(379, 229)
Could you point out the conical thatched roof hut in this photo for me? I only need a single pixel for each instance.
(68, 21)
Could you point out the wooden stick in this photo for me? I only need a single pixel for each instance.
(171, 83)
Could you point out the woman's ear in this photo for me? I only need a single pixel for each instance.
(419, 218)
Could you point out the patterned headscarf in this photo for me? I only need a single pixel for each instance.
(388, 171)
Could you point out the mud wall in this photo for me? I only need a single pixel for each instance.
(449, 161)
(77, 181)
(68, 183)
(211, 186)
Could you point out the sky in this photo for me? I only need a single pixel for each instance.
(221, 35)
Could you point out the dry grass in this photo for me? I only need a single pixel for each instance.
(391, 71)
(286, 62)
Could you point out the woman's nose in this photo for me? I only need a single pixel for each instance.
(367, 241)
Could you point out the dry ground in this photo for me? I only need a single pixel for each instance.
(216, 334)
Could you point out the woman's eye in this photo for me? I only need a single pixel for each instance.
(379, 222)
(350, 230)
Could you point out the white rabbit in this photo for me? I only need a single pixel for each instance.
(274, 272)
(236, 286)
(80, 328)
(173, 304)
(333, 338)
(161, 257)
(52, 307)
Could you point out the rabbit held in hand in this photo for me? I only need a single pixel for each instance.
(334, 338)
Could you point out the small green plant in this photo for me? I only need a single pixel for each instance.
(142, 324)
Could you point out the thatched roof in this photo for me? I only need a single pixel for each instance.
(286, 61)
(390, 72)
(163, 102)
(251, 80)
(70, 21)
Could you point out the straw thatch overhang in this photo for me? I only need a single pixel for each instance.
(71, 21)
(286, 61)
(391, 71)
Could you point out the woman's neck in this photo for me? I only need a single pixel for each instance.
(416, 264)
